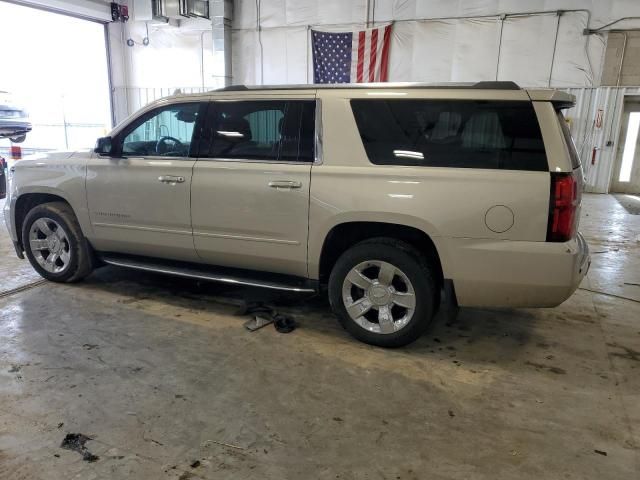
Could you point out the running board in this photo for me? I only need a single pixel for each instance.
(213, 274)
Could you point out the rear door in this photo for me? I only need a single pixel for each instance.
(250, 192)
(139, 199)
(626, 178)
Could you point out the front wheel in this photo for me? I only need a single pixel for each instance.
(383, 292)
(54, 243)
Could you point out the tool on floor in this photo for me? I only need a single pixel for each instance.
(262, 315)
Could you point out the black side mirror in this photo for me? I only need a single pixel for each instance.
(104, 146)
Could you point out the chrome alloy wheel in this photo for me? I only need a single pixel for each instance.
(50, 245)
(379, 297)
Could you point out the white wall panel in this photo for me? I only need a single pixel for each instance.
(476, 45)
(447, 49)
(273, 13)
(571, 65)
(285, 55)
(527, 48)
(402, 40)
(450, 49)
(313, 12)
(245, 57)
(434, 60)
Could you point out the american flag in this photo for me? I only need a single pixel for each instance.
(351, 57)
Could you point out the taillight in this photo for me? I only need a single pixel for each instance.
(563, 207)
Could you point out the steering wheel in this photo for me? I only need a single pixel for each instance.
(162, 146)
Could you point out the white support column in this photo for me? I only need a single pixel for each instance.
(221, 16)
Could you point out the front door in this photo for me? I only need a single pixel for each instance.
(626, 178)
(139, 199)
(250, 193)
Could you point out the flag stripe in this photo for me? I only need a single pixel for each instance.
(361, 45)
(384, 64)
(367, 56)
(354, 57)
(379, 63)
(372, 58)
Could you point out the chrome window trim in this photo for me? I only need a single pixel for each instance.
(251, 160)
(152, 157)
(317, 147)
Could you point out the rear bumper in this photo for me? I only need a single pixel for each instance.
(11, 127)
(517, 274)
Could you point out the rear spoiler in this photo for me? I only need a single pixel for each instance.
(559, 98)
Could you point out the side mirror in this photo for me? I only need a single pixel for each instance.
(104, 146)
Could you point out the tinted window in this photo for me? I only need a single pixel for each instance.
(575, 159)
(164, 132)
(260, 130)
(451, 133)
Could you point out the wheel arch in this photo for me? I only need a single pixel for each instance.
(27, 201)
(346, 234)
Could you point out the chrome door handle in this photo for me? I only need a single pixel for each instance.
(285, 184)
(170, 179)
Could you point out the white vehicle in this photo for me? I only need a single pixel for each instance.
(385, 194)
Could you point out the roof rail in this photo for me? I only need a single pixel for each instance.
(232, 88)
(484, 85)
(501, 85)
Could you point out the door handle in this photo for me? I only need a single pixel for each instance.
(170, 179)
(285, 184)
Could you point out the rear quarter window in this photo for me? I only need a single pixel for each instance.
(568, 139)
(451, 133)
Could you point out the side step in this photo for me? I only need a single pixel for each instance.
(214, 274)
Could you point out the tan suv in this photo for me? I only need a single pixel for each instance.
(387, 194)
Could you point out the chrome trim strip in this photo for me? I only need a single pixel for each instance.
(318, 134)
(212, 277)
(251, 160)
(250, 239)
(145, 229)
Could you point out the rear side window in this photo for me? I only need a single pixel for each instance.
(571, 146)
(276, 130)
(451, 133)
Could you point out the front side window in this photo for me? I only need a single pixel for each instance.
(164, 132)
(276, 130)
(451, 133)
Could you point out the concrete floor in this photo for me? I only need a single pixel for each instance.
(161, 375)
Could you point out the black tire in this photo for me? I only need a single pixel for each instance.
(18, 139)
(412, 264)
(80, 254)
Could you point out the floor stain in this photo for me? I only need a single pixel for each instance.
(76, 443)
(629, 353)
(550, 368)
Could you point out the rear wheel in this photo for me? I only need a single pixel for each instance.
(383, 292)
(54, 243)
